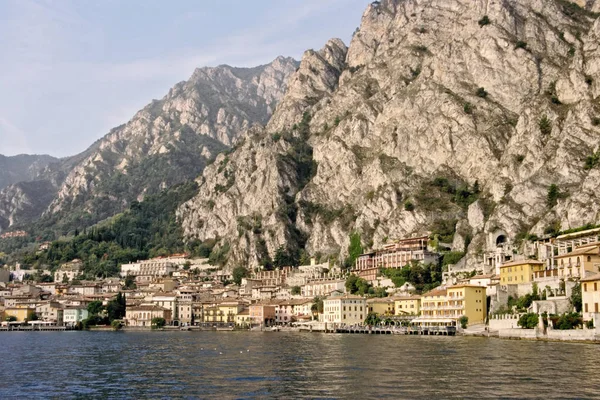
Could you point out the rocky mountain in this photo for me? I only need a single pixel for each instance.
(168, 142)
(22, 168)
(471, 120)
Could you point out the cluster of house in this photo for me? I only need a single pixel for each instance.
(187, 291)
(13, 234)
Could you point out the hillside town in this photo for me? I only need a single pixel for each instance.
(528, 294)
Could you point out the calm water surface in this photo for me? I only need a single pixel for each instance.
(290, 365)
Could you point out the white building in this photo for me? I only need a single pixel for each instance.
(345, 310)
(168, 301)
(156, 267)
(68, 271)
(323, 288)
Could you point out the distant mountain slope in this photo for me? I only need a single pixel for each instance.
(166, 143)
(22, 168)
(472, 120)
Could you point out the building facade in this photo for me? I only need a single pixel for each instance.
(345, 310)
(144, 314)
(590, 296)
(407, 305)
(516, 272)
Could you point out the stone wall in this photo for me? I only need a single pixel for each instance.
(500, 322)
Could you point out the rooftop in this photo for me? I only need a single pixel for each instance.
(522, 262)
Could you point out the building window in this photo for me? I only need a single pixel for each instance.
(595, 307)
(585, 287)
(595, 286)
(585, 307)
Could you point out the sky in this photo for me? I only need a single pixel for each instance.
(70, 70)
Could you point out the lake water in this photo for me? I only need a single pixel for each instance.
(290, 365)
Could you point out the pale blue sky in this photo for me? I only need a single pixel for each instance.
(72, 69)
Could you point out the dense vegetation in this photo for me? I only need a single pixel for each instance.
(423, 277)
(360, 286)
(148, 229)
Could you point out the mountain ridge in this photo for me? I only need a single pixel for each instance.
(452, 118)
(167, 142)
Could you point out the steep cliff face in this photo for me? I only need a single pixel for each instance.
(168, 142)
(451, 117)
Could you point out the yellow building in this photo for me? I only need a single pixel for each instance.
(409, 305)
(468, 300)
(444, 307)
(515, 272)
(579, 261)
(22, 314)
(381, 306)
(590, 296)
(242, 319)
(229, 310)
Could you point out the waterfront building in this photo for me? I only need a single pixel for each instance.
(50, 311)
(590, 296)
(444, 307)
(516, 272)
(242, 319)
(223, 312)
(74, 314)
(142, 315)
(168, 301)
(292, 310)
(345, 310)
(381, 306)
(22, 314)
(407, 305)
(262, 313)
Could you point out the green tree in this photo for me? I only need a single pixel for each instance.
(116, 308)
(528, 321)
(569, 321)
(576, 298)
(296, 290)
(158, 323)
(284, 258)
(238, 274)
(464, 320)
(372, 319)
(95, 307)
(355, 249)
(351, 284)
(116, 325)
(552, 196)
(130, 283)
(317, 305)
(484, 21)
(11, 318)
(545, 125)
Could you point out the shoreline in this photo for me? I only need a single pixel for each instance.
(526, 334)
